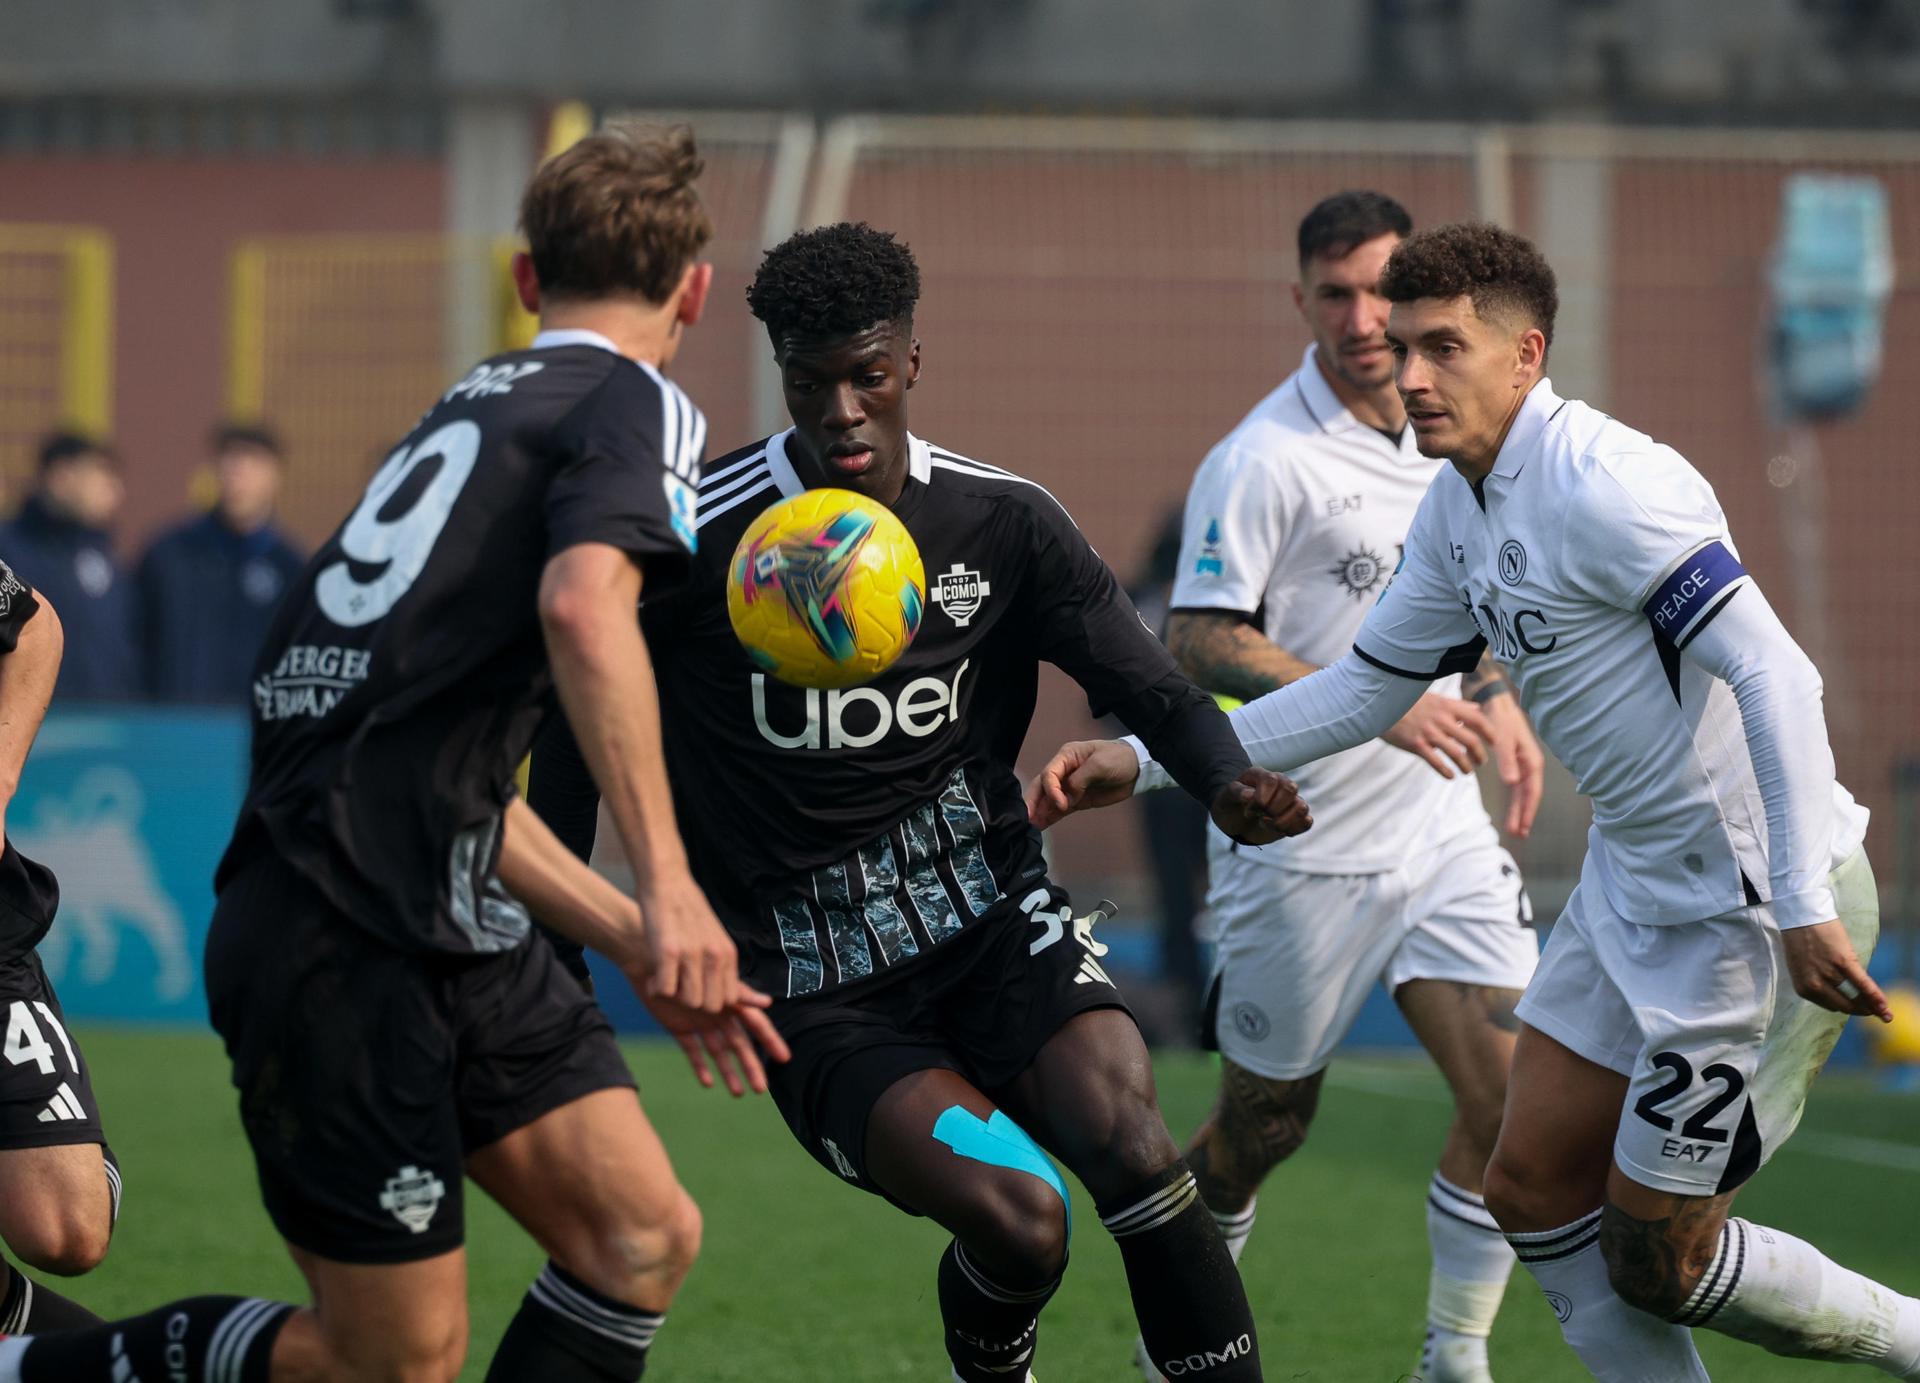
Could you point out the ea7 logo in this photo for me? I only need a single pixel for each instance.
(960, 592)
(1193, 1364)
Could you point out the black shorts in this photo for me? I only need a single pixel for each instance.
(368, 1074)
(46, 1094)
(983, 1004)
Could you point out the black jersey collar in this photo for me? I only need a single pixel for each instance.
(919, 463)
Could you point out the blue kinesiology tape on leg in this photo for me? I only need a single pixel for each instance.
(999, 1142)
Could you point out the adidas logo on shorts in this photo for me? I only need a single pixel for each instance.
(64, 1105)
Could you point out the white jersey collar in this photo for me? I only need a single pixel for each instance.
(1324, 407)
(919, 463)
(1523, 438)
(552, 339)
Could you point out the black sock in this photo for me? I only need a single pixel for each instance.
(1187, 1295)
(199, 1340)
(991, 1330)
(565, 1332)
(32, 1308)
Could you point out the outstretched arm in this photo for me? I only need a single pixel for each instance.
(588, 597)
(579, 904)
(1089, 628)
(29, 666)
(1340, 706)
(1779, 693)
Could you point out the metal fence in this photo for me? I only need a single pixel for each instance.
(56, 338)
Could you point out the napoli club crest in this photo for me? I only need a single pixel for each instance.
(960, 592)
(1513, 561)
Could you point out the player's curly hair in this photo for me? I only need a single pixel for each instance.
(834, 281)
(1502, 272)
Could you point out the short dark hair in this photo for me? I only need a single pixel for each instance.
(616, 213)
(58, 448)
(834, 281)
(253, 436)
(1340, 224)
(1501, 272)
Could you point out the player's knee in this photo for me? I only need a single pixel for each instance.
(1515, 1198)
(1126, 1144)
(1478, 1115)
(1025, 1235)
(425, 1361)
(58, 1238)
(1650, 1265)
(645, 1252)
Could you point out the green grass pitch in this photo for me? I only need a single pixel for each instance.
(806, 1279)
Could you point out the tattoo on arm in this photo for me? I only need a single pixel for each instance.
(1222, 653)
(1256, 1123)
(1487, 680)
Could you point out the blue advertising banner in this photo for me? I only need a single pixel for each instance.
(131, 808)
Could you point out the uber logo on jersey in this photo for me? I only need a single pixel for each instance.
(921, 707)
(960, 592)
(1513, 561)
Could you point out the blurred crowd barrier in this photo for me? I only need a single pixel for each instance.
(1104, 299)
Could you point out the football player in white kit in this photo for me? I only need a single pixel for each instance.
(1703, 967)
(1293, 524)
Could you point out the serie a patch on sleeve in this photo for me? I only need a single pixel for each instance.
(1693, 592)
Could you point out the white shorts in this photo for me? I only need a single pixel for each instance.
(1299, 952)
(1702, 1019)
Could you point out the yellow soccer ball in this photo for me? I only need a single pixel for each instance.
(1897, 1043)
(826, 589)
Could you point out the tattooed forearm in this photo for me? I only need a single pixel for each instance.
(1221, 652)
(1255, 1124)
(1487, 680)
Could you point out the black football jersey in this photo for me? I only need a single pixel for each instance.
(28, 891)
(841, 833)
(405, 674)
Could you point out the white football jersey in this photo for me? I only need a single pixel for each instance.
(1589, 558)
(1296, 519)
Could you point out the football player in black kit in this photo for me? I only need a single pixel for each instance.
(869, 849)
(393, 1025)
(59, 1184)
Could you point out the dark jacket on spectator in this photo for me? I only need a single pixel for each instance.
(207, 595)
(74, 567)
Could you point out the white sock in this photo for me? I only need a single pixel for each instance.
(1783, 1294)
(1471, 1264)
(1236, 1226)
(1617, 1342)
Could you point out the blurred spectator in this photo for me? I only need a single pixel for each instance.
(61, 545)
(208, 588)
